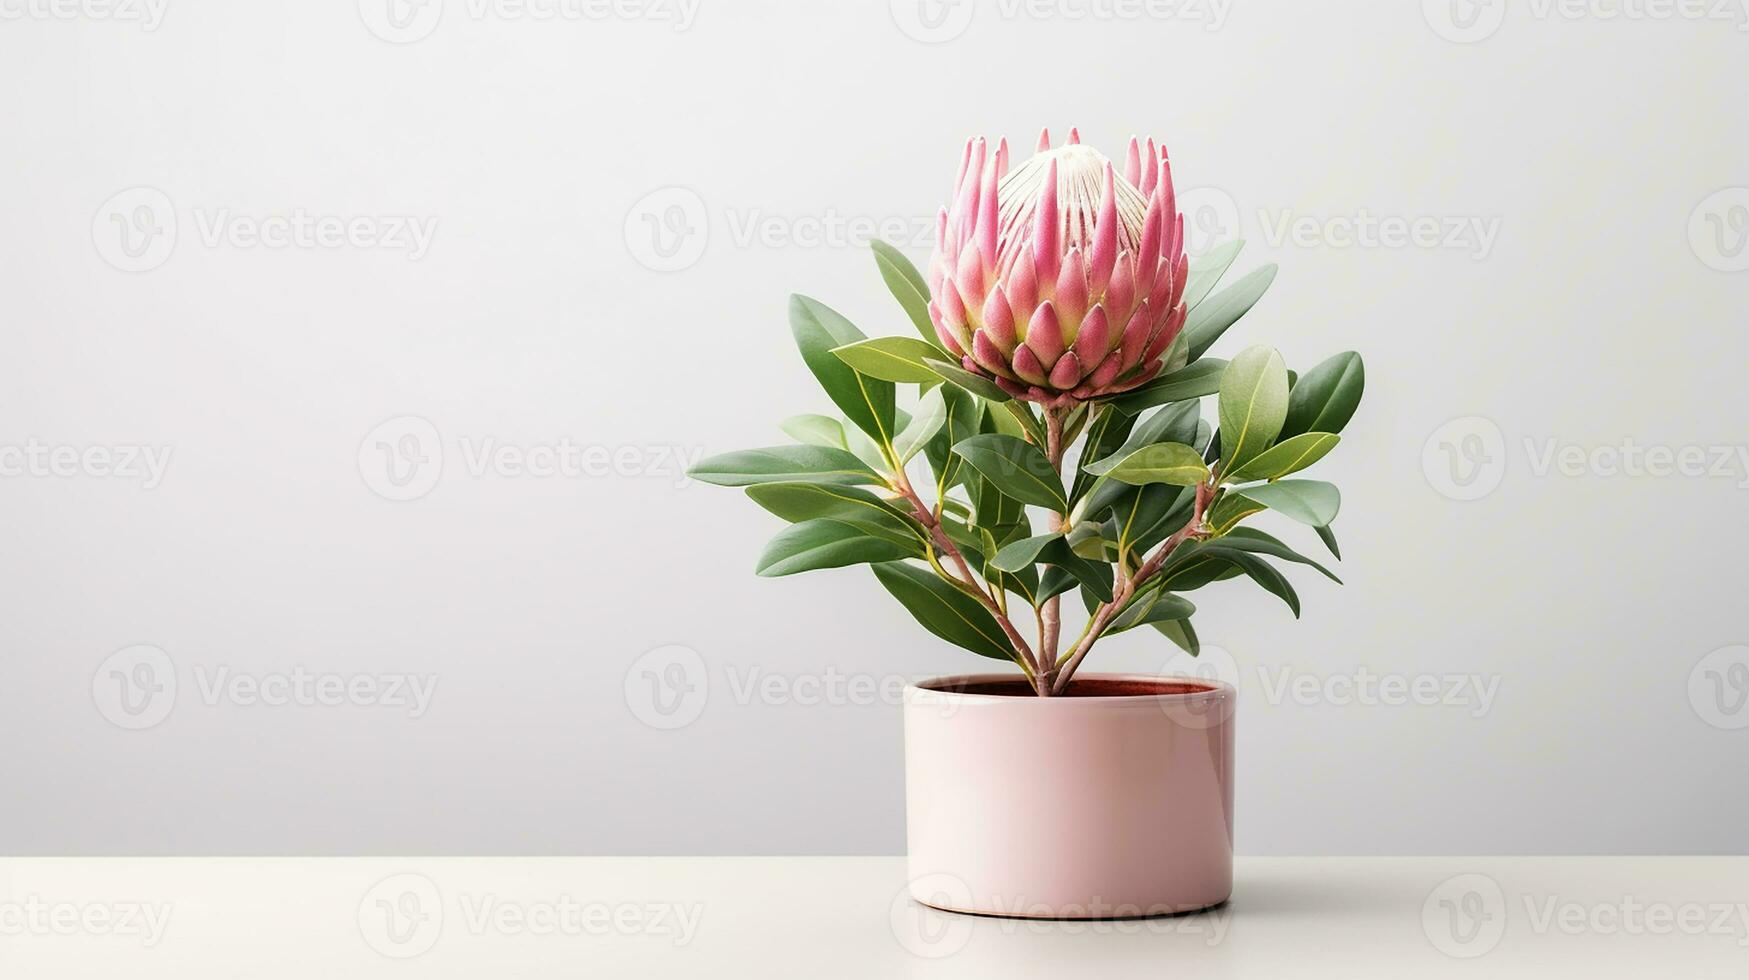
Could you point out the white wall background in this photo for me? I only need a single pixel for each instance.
(1605, 306)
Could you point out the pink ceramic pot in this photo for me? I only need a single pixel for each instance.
(1111, 801)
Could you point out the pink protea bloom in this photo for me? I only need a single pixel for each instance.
(1059, 280)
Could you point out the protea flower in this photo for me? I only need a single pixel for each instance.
(1060, 281)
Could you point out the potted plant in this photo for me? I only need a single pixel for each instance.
(1059, 377)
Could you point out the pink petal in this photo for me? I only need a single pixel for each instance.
(969, 277)
(1120, 296)
(1044, 140)
(1071, 294)
(965, 208)
(1093, 341)
(1106, 373)
(1021, 285)
(1135, 336)
(1103, 254)
(1047, 227)
(1153, 228)
(999, 322)
(986, 353)
(1067, 373)
(985, 235)
(1026, 365)
(1150, 175)
(1160, 288)
(942, 332)
(1132, 167)
(1044, 336)
(1074, 136)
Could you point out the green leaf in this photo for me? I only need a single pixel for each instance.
(963, 414)
(867, 402)
(819, 544)
(1193, 381)
(897, 359)
(907, 286)
(1307, 501)
(931, 415)
(1180, 631)
(1196, 564)
(783, 464)
(797, 502)
(1023, 553)
(944, 610)
(1257, 542)
(1157, 606)
(1326, 535)
(1253, 405)
(815, 430)
(1167, 462)
(1288, 456)
(1207, 270)
(1017, 468)
(1325, 399)
(1230, 509)
(1213, 316)
(1108, 431)
(954, 374)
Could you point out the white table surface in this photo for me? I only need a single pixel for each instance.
(1656, 917)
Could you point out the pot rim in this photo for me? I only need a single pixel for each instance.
(925, 692)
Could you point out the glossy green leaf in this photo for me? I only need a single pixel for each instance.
(907, 286)
(944, 610)
(1257, 542)
(1253, 405)
(1023, 553)
(1213, 316)
(962, 416)
(797, 502)
(1328, 536)
(818, 544)
(1192, 381)
(1288, 456)
(1307, 501)
(1180, 631)
(898, 359)
(1107, 432)
(815, 430)
(1325, 399)
(1171, 463)
(954, 374)
(1206, 270)
(1017, 468)
(930, 417)
(782, 464)
(1157, 606)
(867, 402)
(1198, 563)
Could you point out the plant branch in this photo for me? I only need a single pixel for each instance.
(931, 521)
(1103, 615)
